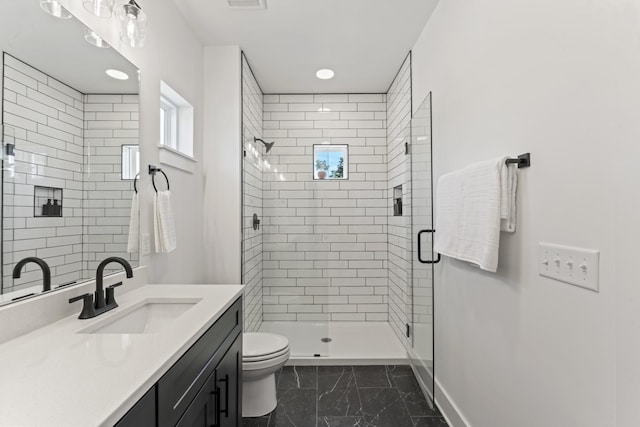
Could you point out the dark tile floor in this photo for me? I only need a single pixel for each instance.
(346, 396)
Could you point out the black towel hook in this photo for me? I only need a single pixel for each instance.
(152, 171)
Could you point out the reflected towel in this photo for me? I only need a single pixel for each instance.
(472, 206)
(134, 225)
(163, 222)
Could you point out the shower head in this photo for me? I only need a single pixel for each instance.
(268, 145)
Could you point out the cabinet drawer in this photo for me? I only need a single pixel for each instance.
(179, 386)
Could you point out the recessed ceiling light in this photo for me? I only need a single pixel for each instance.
(325, 74)
(117, 74)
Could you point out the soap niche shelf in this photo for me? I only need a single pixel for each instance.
(47, 201)
(397, 200)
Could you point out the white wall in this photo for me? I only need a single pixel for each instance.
(558, 79)
(222, 129)
(174, 54)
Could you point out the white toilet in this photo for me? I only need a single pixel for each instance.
(263, 354)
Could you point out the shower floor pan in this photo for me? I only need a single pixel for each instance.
(350, 343)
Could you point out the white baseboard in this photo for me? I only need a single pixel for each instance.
(448, 408)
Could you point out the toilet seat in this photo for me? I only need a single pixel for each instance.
(252, 359)
(267, 363)
(262, 345)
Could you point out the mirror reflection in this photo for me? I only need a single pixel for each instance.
(70, 150)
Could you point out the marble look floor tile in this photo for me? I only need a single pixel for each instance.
(372, 376)
(337, 392)
(384, 407)
(403, 379)
(341, 422)
(296, 408)
(346, 396)
(430, 422)
(298, 377)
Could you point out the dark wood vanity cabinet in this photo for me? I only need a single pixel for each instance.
(218, 402)
(204, 387)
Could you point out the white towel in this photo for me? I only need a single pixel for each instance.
(134, 225)
(472, 205)
(163, 223)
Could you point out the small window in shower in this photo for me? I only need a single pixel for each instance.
(330, 161)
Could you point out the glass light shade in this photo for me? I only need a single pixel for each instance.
(91, 37)
(100, 8)
(133, 21)
(52, 7)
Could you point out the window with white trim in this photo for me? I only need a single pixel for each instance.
(176, 122)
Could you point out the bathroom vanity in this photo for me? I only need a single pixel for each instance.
(169, 355)
(203, 387)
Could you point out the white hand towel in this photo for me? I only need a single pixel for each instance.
(134, 225)
(163, 222)
(472, 204)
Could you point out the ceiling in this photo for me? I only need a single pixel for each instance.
(57, 48)
(364, 41)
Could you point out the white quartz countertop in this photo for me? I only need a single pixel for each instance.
(55, 376)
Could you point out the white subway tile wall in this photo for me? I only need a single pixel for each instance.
(252, 189)
(325, 242)
(110, 121)
(49, 123)
(43, 118)
(399, 173)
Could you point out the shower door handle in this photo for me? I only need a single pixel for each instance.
(428, 261)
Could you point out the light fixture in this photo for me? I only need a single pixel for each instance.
(100, 8)
(117, 74)
(54, 8)
(133, 24)
(325, 74)
(93, 38)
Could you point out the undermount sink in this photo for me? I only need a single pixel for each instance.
(146, 317)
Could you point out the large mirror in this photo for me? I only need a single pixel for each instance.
(69, 149)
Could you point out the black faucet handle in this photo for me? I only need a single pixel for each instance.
(88, 311)
(79, 297)
(111, 298)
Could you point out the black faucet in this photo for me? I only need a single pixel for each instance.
(46, 272)
(100, 301)
(91, 309)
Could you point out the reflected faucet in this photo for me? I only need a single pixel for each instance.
(100, 301)
(46, 272)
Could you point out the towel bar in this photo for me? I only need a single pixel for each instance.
(523, 161)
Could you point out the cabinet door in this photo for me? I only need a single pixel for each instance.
(229, 382)
(203, 409)
(143, 414)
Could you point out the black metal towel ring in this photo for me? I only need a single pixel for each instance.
(135, 182)
(152, 172)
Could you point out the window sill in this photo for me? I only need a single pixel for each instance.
(176, 159)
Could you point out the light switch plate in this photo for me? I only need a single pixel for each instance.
(577, 266)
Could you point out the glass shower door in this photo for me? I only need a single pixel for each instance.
(420, 310)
